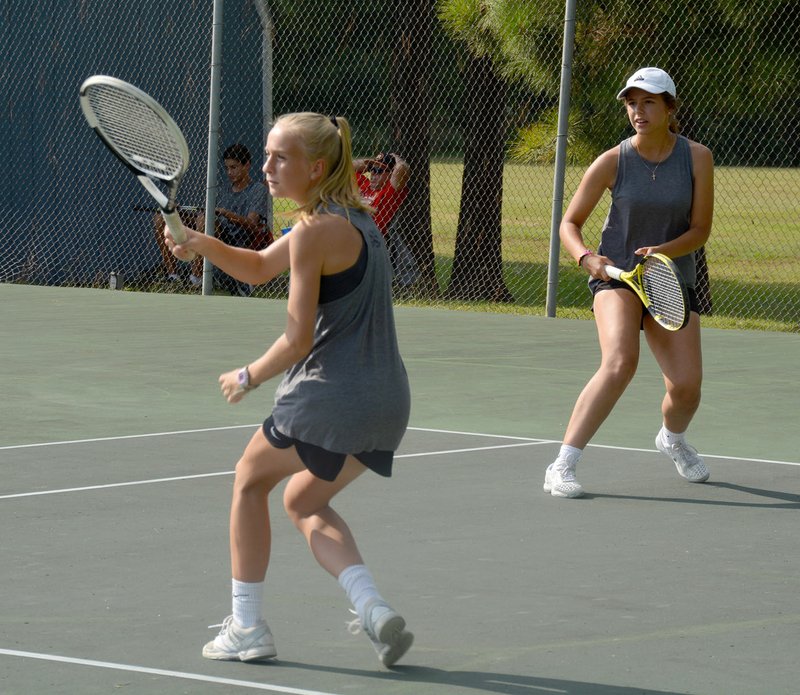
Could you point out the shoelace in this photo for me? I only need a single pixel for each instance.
(688, 451)
(224, 625)
(354, 627)
(566, 472)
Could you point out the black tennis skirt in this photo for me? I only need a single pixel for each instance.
(323, 463)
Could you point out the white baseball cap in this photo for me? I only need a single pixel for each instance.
(653, 80)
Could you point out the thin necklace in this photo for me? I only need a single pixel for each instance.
(644, 163)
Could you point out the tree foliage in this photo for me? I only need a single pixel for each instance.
(727, 60)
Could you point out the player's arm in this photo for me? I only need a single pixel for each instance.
(360, 165)
(253, 267)
(599, 178)
(306, 249)
(702, 208)
(400, 173)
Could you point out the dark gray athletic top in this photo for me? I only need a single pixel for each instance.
(645, 212)
(351, 393)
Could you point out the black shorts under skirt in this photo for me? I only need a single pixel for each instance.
(596, 286)
(326, 464)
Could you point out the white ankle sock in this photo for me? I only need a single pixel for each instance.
(246, 599)
(670, 438)
(360, 587)
(570, 454)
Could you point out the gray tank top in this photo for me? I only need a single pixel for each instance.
(351, 393)
(645, 212)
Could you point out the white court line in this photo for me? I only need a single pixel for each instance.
(703, 453)
(463, 451)
(414, 429)
(230, 427)
(483, 434)
(162, 672)
(112, 485)
(151, 481)
(125, 436)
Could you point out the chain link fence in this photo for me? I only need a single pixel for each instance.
(466, 92)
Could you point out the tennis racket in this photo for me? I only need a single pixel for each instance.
(144, 138)
(660, 286)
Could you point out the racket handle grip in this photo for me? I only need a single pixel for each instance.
(175, 224)
(613, 271)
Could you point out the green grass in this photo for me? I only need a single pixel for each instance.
(752, 252)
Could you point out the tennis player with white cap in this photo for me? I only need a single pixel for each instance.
(662, 193)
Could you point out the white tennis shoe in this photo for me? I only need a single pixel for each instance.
(385, 628)
(235, 643)
(560, 481)
(688, 462)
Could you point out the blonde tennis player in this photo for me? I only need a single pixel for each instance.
(343, 404)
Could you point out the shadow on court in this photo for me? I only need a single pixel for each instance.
(787, 500)
(485, 682)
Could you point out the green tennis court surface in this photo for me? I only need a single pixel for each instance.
(116, 453)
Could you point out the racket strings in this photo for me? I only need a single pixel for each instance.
(136, 131)
(665, 293)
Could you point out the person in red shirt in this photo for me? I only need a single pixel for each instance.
(385, 188)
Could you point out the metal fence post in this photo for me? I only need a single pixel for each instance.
(213, 138)
(561, 157)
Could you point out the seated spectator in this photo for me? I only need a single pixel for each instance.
(384, 190)
(241, 212)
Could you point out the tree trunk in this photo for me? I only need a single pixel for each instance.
(410, 110)
(478, 264)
